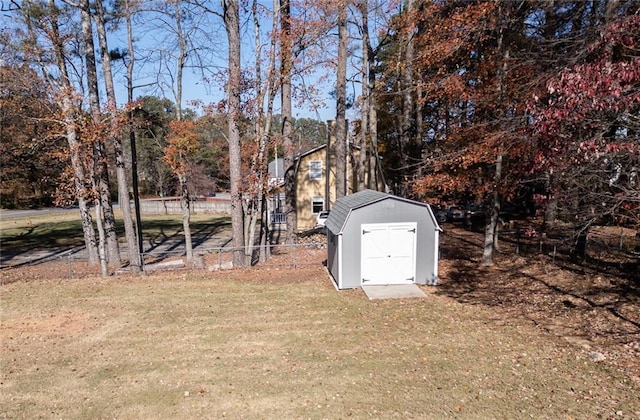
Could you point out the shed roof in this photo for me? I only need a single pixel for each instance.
(342, 207)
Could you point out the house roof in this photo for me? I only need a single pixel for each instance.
(342, 208)
(299, 157)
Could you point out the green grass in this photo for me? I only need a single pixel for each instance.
(257, 346)
(46, 233)
(66, 230)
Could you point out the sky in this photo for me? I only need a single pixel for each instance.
(154, 40)
(155, 49)
(194, 89)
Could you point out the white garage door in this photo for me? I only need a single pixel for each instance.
(388, 253)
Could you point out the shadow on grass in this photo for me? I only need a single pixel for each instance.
(45, 235)
(44, 241)
(556, 296)
(168, 234)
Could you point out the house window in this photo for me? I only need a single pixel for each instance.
(315, 169)
(317, 204)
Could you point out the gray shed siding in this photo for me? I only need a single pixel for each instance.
(332, 254)
(344, 234)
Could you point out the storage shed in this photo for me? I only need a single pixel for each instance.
(374, 238)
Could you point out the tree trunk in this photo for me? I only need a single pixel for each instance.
(290, 207)
(232, 26)
(419, 130)
(579, 249)
(102, 184)
(181, 62)
(375, 169)
(132, 133)
(265, 89)
(491, 229)
(250, 234)
(67, 108)
(100, 158)
(186, 218)
(101, 251)
(372, 119)
(265, 248)
(550, 212)
(182, 57)
(363, 180)
(341, 108)
(551, 206)
(407, 134)
(115, 138)
(79, 179)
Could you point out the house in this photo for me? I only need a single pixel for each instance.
(315, 180)
(375, 238)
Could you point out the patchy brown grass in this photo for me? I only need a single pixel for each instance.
(515, 340)
(274, 342)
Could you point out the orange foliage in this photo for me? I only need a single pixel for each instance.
(477, 113)
(182, 143)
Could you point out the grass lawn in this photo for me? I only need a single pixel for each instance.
(65, 230)
(281, 343)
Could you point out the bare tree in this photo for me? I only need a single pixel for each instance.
(255, 202)
(42, 25)
(364, 118)
(129, 10)
(286, 64)
(368, 162)
(104, 208)
(181, 61)
(407, 124)
(116, 139)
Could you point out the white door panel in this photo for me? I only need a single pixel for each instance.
(388, 253)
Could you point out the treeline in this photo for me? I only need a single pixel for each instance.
(520, 102)
(34, 164)
(482, 102)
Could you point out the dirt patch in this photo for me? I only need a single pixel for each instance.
(46, 326)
